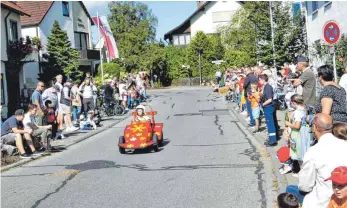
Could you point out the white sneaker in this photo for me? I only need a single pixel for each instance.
(72, 128)
(285, 170)
(237, 108)
(67, 129)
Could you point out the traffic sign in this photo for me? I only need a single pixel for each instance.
(331, 32)
(218, 62)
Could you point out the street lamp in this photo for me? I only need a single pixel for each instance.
(200, 51)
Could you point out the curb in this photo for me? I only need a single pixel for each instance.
(267, 160)
(24, 161)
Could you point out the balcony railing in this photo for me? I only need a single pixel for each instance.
(89, 54)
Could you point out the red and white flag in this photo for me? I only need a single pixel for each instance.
(105, 31)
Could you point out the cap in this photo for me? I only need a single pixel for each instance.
(339, 175)
(19, 112)
(302, 59)
(69, 80)
(283, 154)
(90, 112)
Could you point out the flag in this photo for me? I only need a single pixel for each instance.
(105, 31)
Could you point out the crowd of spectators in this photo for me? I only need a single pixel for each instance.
(315, 127)
(65, 107)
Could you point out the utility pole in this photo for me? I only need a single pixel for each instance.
(272, 36)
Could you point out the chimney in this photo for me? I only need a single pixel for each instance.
(200, 3)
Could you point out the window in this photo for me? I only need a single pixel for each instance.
(187, 39)
(81, 40)
(65, 5)
(222, 16)
(182, 41)
(314, 6)
(175, 40)
(13, 30)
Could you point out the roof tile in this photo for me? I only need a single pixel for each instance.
(14, 5)
(37, 9)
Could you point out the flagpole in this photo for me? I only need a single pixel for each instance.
(102, 69)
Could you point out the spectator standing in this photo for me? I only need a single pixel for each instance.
(66, 105)
(343, 80)
(255, 103)
(250, 79)
(298, 142)
(88, 90)
(268, 107)
(307, 80)
(319, 161)
(339, 181)
(76, 103)
(60, 116)
(12, 131)
(51, 94)
(332, 99)
(36, 99)
(38, 131)
(109, 98)
(25, 95)
(218, 76)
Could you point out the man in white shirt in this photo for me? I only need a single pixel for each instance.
(37, 131)
(343, 80)
(319, 161)
(218, 76)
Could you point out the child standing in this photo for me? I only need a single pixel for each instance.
(298, 143)
(255, 102)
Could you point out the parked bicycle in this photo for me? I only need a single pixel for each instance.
(110, 108)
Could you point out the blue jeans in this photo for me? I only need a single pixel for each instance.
(249, 110)
(268, 113)
(76, 112)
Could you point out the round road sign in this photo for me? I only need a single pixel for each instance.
(331, 32)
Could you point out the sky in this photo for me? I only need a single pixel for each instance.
(170, 14)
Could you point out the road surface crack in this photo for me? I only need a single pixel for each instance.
(221, 132)
(255, 156)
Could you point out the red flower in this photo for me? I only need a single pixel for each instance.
(340, 59)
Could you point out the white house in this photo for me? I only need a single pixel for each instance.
(10, 31)
(73, 17)
(207, 18)
(317, 14)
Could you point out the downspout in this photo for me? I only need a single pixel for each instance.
(6, 27)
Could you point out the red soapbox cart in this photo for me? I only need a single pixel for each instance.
(142, 134)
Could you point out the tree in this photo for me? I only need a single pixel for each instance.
(111, 70)
(175, 58)
(133, 26)
(61, 58)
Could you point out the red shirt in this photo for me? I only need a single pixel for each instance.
(241, 83)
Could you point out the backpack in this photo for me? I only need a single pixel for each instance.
(50, 115)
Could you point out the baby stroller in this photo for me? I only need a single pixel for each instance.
(281, 101)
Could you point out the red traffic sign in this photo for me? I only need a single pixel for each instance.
(331, 32)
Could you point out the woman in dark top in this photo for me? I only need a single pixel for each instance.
(332, 99)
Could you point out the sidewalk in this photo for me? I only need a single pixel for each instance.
(72, 138)
(283, 180)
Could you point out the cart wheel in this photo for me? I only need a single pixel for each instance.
(155, 140)
(121, 141)
(162, 139)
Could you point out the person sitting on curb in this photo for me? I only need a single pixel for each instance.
(339, 185)
(141, 115)
(319, 161)
(12, 132)
(87, 123)
(287, 200)
(38, 131)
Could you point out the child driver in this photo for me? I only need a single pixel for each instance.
(140, 114)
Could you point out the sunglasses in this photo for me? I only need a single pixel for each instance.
(339, 186)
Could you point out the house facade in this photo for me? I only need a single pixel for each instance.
(317, 14)
(73, 17)
(208, 17)
(10, 31)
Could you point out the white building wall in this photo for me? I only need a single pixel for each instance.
(335, 10)
(16, 17)
(66, 23)
(203, 21)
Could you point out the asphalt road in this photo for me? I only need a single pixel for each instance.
(207, 161)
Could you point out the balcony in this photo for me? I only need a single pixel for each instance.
(89, 54)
